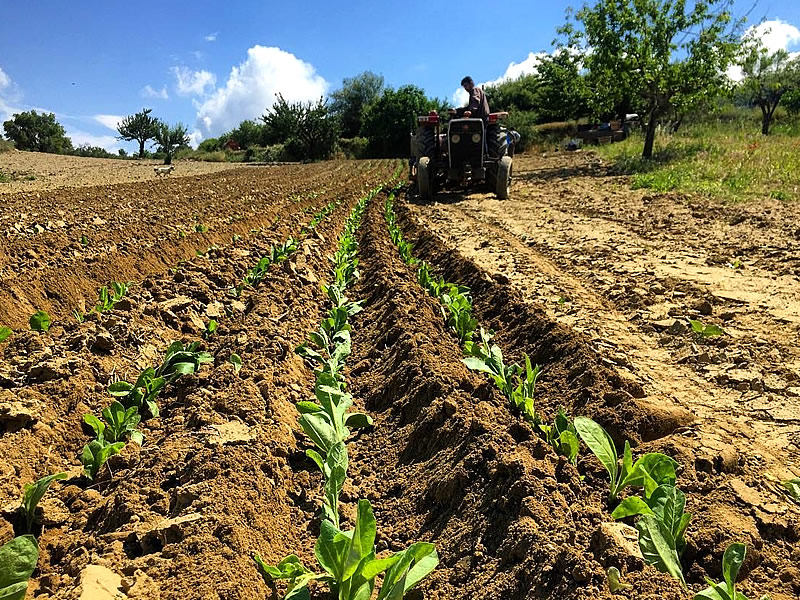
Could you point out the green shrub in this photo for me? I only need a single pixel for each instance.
(354, 148)
(6, 146)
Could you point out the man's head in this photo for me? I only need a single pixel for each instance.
(467, 83)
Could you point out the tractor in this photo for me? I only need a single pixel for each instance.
(461, 152)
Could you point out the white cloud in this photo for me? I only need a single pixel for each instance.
(253, 86)
(193, 83)
(774, 35)
(5, 80)
(211, 37)
(110, 121)
(513, 71)
(149, 92)
(79, 138)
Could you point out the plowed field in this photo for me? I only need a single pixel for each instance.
(594, 282)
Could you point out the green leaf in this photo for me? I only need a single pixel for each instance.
(34, 492)
(96, 424)
(658, 547)
(236, 361)
(732, 561)
(477, 364)
(306, 407)
(40, 321)
(601, 445)
(363, 541)
(793, 487)
(631, 506)
(120, 389)
(358, 420)
(697, 326)
(5, 333)
(330, 550)
(318, 427)
(18, 559)
(614, 583)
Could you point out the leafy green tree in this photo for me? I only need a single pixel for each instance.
(660, 55)
(248, 133)
(791, 101)
(140, 127)
(350, 101)
(37, 132)
(388, 121)
(209, 145)
(768, 77)
(307, 129)
(170, 139)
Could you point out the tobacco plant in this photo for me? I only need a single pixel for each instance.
(328, 422)
(120, 424)
(96, 453)
(732, 561)
(32, 495)
(489, 359)
(182, 360)
(18, 559)
(350, 566)
(648, 472)
(142, 394)
(5, 333)
(40, 321)
(562, 436)
(107, 299)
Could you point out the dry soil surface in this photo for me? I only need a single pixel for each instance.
(37, 172)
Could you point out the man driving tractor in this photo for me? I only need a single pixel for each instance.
(478, 106)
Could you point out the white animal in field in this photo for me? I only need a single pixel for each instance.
(166, 170)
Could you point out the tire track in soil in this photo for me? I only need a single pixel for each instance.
(448, 463)
(221, 476)
(728, 495)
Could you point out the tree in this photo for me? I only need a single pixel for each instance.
(140, 127)
(307, 129)
(169, 139)
(768, 77)
(658, 55)
(248, 133)
(37, 133)
(388, 121)
(350, 101)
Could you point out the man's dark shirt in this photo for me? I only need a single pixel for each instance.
(478, 104)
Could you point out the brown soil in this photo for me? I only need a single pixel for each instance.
(223, 473)
(36, 172)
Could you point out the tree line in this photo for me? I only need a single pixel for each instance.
(661, 59)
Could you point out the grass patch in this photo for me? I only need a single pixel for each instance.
(6, 146)
(728, 161)
(9, 177)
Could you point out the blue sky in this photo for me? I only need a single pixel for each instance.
(212, 64)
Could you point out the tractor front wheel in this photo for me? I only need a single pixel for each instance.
(503, 182)
(425, 178)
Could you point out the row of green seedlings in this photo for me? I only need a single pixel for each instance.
(347, 559)
(120, 420)
(134, 402)
(19, 556)
(41, 321)
(279, 253)
(662, 520)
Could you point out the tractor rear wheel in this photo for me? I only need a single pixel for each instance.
(503, 183)
(425, 140)
(425, 178)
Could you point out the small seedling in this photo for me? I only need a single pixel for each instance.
(650, 471)
(84, 241)
(732, 561)
(614, 581)
(211, 328)
(33, 494)
(5, 333)
(200, 228)
(40, 321)
(96, 453)
(236, 361)
(705, 330)
(793, 487)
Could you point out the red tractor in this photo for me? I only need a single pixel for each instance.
(461, 152)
